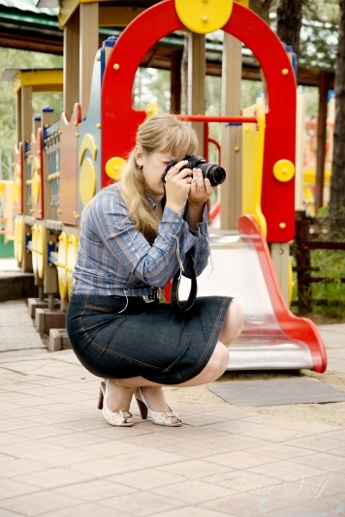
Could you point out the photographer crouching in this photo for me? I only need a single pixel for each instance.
(136, 236)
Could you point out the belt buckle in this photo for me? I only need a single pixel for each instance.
(149, 298)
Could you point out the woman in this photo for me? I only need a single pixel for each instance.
(135, 236)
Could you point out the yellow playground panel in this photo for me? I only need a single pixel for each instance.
(6, 218)
(309, 182)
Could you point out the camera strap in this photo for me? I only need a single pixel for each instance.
(175, 300)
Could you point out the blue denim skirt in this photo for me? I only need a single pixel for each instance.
(151, 340)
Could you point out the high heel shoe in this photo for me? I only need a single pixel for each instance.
(117, 418)
(158, 418)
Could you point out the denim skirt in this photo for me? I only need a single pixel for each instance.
(151, 340)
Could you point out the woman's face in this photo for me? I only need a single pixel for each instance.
(153, 166)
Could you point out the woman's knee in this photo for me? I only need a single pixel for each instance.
(233, 323)
(218, 362)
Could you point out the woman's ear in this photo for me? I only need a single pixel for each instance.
(138, 154)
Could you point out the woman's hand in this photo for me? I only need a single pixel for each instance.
(200, 191)
(178, 184)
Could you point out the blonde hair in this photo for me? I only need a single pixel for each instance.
(162, 133)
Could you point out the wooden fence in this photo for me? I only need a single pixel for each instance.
(302, 247)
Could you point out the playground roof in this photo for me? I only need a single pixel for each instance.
(25, 26)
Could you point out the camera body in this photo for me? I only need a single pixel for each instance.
(212, 171)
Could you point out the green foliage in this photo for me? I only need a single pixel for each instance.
(328, 295)
(319, 34)
(18, 59)
(152, 86)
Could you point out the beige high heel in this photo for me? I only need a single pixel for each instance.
(158, 418)
(118, 418)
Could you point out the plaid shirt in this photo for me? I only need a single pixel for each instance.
(114, 258)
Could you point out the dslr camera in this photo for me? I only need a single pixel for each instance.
(212, 171)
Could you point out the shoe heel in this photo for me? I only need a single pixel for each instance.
(142, 408)
(100, 399)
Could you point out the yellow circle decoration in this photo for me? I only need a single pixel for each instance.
(114, 166)
(87, 181)
(151, 109)
(283, 170)
(203, 17)
(35, 180)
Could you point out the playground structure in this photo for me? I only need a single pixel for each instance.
(306, 156)
(59, 166)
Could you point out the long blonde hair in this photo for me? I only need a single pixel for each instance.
(161, 133)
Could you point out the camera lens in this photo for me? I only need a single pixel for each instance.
(214, 173)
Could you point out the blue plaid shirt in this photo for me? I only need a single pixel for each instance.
(114, 258)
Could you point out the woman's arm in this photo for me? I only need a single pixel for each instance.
(108, 224)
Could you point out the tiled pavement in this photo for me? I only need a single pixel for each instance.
(59, 458)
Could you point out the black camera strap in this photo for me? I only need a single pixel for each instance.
(175, 300)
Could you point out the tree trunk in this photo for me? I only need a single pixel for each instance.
(289, 22)
(337, 199)
(261, 7)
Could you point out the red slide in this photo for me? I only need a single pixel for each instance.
(273, 338)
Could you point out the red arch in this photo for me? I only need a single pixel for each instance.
(120, 120)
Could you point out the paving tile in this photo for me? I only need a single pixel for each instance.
(241, 442)
(194, 511)
(286, 470)
(104, 467)
(82, 510)
(336, 482)
(110, 448)
(194, 468)
(14, 488)
(141, 504)
(33, 449)
(190, 491)
(20, 466)
(303, 504)
(236, 481)
(148, 479)
(275, 434)
(41, 432)
(7, 513)
(322, 443)
(239, 459)
(179, 444)
(281, 450)
(36, 503)
(53, 477)
(244, 505)
(96, 490)
(330, 462)
(148, 457)
(65, 457)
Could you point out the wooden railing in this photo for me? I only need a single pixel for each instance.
(302, 247)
